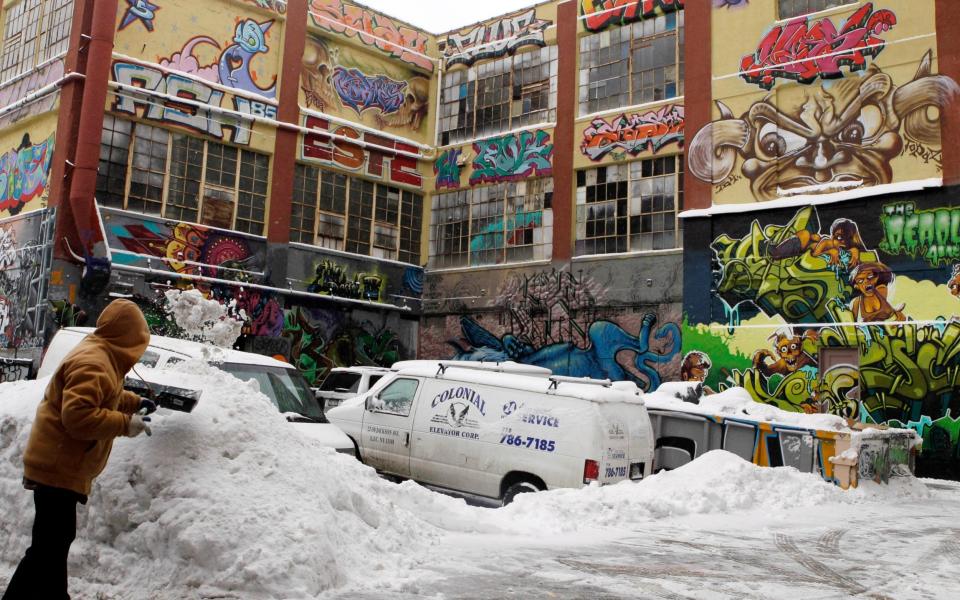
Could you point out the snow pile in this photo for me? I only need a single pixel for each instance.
(204, 320)
(717, 482)
(225, 502)
(737, 402)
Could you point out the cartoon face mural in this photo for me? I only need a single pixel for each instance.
(841, 134)
(695, 367)
(790, 355)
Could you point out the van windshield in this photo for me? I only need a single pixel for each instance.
(341, 382)
(286, 388)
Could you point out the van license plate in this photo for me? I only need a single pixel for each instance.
(636, 470)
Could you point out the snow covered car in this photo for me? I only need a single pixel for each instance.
(491, 431)
(281, 382)
(346, 382)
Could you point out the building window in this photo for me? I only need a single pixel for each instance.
(355, 215)
(633, 64)
(505, 223)
(34, 31)
(500, 95)
(796, 8)
(630, 207)
(157, 172)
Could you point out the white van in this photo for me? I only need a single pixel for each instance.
(281, 382)
(342, 383)
(490, 431)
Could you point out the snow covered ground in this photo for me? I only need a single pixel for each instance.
(229, 502)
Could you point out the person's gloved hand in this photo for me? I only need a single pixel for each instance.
(138, 424)
(147, 406)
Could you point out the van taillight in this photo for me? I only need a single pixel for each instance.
(591, 471)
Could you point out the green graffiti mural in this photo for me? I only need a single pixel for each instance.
(829, 290)
(933, 234)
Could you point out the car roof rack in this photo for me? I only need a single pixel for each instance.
(556, 380)
(494, 367)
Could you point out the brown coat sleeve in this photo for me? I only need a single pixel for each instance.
(82, 413)
(129, 403)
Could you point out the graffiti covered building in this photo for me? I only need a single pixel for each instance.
(820, 261)
(558, 179)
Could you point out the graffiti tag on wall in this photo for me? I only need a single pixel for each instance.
(372, 29)
(867, 123)
(512, 157)
(321, 148)
(25, 254)
(635, 134)
(360, 91)
(803, 51)
(601, 14)
(139, 11)
(447, 170)
(331, 279)
(195, 118)
(327, 85)
(23, 87)
(493, 40)
(24, 173)
(933, 235)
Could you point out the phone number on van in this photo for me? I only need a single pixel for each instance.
(528, 442)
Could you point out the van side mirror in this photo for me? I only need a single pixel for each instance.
(369, 403)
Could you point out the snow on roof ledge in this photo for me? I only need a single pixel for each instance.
(815, 199)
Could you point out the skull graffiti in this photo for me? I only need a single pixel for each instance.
(416, 102)
(842, 134)
(316, 79)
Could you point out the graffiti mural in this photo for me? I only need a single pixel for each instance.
(730, 3)
(322, 148)
(634, 135)
(493, 40)
(792, 290)
(447, 169)
(333, 79)
(933, 235)
(139, 11)
(323, 339)
(803, 51)
(600, 14)
(841, 135)
(512, 157)
(332, 279)
(233, 68)
(25, 257)
(24, 173)
(372, 29)
(195, 118)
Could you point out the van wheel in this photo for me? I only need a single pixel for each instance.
(521, 487)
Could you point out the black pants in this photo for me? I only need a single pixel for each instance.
(43, 571)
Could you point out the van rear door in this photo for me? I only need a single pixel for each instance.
(387, 424)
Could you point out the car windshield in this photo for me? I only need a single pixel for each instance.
(286, 388)
(340, 381)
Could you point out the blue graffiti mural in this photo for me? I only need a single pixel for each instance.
(360, 91)
(139, 10)
(495, 236)
(598, 360)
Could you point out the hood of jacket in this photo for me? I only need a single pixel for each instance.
(124, 330)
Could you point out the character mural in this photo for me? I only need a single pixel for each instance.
(512, 157)
(24, 173)
(353, 84)
(789, 291)
(837, 135)
(631, 136)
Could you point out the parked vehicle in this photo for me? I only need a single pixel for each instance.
(281, 382)
(346, 382)
(492, 431)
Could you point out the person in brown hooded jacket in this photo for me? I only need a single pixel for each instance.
(83, 409)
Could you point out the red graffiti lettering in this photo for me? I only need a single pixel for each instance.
(803, 51)
(601, 14)
(635, 134)
(373, 29)
(322, 147)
